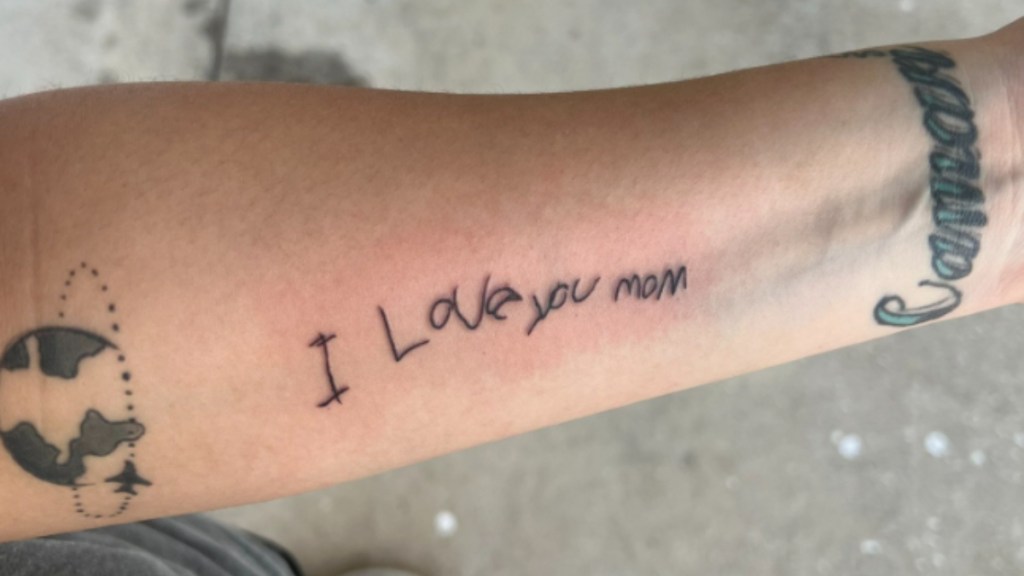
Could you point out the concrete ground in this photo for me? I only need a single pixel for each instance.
(900, 456)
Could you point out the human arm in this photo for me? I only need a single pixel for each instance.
(234, 224)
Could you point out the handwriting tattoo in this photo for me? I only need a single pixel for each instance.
(954, 184)
(557, 297)
(650, 285)
(495, 303)
(395, 352)
(321, 342)
(491, 303)
(102, 450)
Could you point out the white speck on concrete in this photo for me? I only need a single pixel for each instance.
(445, 524)
(978, 458)
(870, 547)
(1018, 439)
(914, 544)
(836, 436)
(907, 5)
(938, 560)
(850, 446)
(933, 523)
(937, 444)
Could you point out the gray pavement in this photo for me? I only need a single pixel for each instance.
(901, 456)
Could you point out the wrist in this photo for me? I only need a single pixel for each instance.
(966, 207)
(993, 70)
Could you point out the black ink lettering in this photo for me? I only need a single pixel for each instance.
(558, 297)
(395, 353)
(494, 300)
(448, 304)
(490, 304)
(321, 342)
(651, 285)
(577, 298)
(561, 290)
(480, 310)
(498, 299)
(631, 284)
(673, 281)
(539, 316)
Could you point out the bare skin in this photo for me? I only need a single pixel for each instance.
(234, 229)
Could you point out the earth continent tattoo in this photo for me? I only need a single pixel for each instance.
(97, 461)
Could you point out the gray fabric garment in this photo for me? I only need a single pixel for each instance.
(184, 546)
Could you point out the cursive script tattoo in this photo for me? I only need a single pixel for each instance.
(954, 184)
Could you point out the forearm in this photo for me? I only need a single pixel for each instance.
(234, 225)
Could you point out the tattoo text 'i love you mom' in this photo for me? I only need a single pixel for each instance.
(497, 302)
